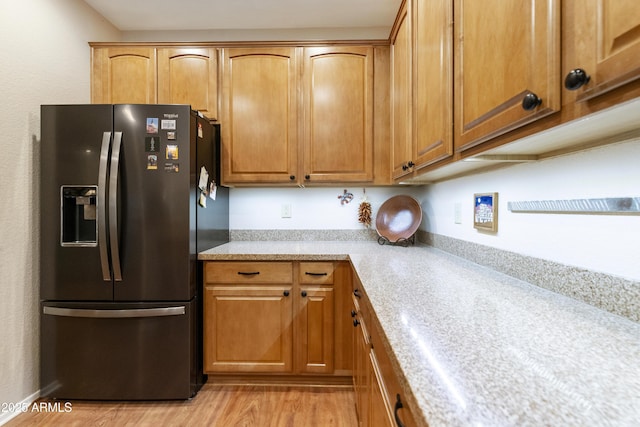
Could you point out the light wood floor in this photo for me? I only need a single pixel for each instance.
(214, 405)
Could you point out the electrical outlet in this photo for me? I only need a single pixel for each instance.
(457, 213)
(285, 211)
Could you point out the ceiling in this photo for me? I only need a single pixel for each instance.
(198, 15)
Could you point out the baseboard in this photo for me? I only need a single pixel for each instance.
(14, 409)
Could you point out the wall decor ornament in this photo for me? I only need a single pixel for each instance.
(364, 210)
(345, 197)
(485, 211)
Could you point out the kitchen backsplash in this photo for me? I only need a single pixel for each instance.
(304, 235)
(611, 293)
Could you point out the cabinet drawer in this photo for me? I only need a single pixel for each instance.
(317, 273)
(248, 272)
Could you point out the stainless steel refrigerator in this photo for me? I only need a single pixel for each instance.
(129, 196)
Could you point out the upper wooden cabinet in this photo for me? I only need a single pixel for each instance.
(433, 81)
(401, 105)
(422, 109)
(299, 116)
(259, 115)
(504, 51)
(189, 76)
(507, 66)
(151, 75)
(338, 114)
(602, 46)
(123, 75)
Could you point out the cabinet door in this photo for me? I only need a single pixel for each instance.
(248, 329)
(433, 74)
(388, 383)
(189, 76)
(604, 42)
(507, 58)
(361, 377)
(380, 412)
(338, 119)
(401, 95)
(259, 115)
(316, 330)
(123, 75)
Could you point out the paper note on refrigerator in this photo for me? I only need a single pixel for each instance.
(213, 189)
(204, 179)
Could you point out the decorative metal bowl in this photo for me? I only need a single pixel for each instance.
(397, 220)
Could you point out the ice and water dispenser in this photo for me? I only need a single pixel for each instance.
(79, 225)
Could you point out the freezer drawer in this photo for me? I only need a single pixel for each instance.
(118, 351)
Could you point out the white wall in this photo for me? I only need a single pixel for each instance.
(311, 208)
(604, 243)
(283, 34)
(45, 59)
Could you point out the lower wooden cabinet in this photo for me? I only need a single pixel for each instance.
(304, 320)
(276, 318)
(379, 399)
(361, 377)
(379, 406)
(248, 329)
(315, 320)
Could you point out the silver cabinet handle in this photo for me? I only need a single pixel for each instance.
(113, 206)
(114, 314)
(102, 206)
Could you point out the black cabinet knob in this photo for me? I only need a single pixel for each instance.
(531, 101)
(356, 322)
(405, 167)
(576, 79)
(303, 293)
(353, 313)
(292, 177)
(285, 293)
(307, 177)
(357, 293)
(411, 164)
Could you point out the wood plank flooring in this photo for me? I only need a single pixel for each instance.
(214, 405)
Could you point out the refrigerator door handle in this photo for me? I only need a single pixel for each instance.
(114, 314)
(113, 207)
(103, 244)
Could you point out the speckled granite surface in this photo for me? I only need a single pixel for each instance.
(477, 347)
(305, 235)
(614, 294)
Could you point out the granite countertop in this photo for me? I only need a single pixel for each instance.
(477, 347)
